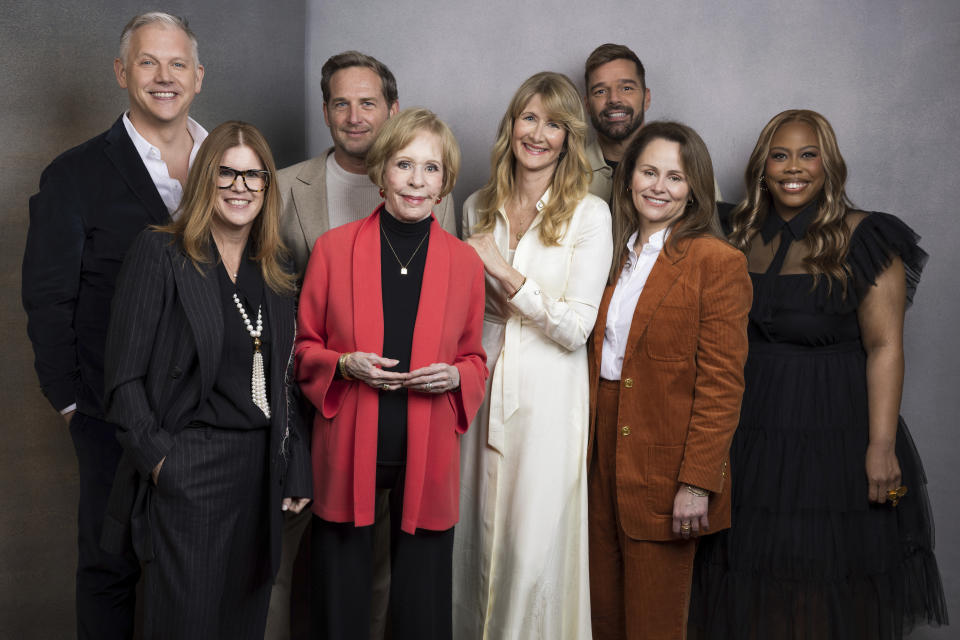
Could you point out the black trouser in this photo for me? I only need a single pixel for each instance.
(208, 517)
(106, 582)
(342, 570)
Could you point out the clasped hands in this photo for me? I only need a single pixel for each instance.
(370, 369)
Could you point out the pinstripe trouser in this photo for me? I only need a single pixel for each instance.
(208, 520)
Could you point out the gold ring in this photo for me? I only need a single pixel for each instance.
(894, 495)
(385, 386)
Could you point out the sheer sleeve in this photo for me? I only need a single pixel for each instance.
(875, 242)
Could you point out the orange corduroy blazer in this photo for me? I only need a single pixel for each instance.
(681, 384)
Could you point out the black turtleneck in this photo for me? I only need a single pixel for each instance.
(401, 298)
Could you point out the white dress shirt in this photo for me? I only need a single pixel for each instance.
(170, 189)
(624, 300)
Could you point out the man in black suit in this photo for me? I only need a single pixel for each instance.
(93, 201)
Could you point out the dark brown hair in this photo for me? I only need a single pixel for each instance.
(349, 59)
(700, 216)
(608, 53)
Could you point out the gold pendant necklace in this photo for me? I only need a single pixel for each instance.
(403, 267)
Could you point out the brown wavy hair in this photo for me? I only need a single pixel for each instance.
(700, 216)
(571, 179)
(828, 236)
(192, 227)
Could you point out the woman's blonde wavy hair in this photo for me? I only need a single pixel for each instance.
(571, 179)
(192, 227)
(828, 236)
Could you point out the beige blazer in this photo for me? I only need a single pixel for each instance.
(304, 217)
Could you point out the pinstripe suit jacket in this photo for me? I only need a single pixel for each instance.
(163, 351)
(681, 384)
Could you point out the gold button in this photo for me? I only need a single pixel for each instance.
(625, 430)
(628, 383)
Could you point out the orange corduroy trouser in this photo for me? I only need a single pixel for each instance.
(639, 589)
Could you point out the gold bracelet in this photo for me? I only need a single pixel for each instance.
(513, 295)
(697, 491)
(342, 366)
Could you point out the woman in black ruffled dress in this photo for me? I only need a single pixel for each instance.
(820, 547)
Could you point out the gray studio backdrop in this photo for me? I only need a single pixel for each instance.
(884, 73)
(58, 89)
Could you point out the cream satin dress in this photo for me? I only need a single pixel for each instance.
(520, 553)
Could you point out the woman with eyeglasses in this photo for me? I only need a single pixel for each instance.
(198, 360)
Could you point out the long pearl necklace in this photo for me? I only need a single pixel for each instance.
(258, 383)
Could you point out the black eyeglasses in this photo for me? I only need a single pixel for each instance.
(253, 179)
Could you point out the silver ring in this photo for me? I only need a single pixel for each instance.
(429, 386)
(385, 386)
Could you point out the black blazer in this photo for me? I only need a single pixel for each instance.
(163, 352)
(93, 201)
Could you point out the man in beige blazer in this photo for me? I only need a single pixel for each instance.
(359, 95)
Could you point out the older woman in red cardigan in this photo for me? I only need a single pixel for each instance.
(390, 354)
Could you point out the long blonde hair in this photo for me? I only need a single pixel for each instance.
(571, 179)
(198, 206)
(699, 218)
(828, 236)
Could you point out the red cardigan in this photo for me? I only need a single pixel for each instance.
(341, 311)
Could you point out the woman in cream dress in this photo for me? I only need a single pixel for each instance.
(520, 551)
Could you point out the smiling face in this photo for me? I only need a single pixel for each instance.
(160, 75)
(355, 113)
(537, 140)
(236, 206)
(617, 99)
(794, 168)
(659, 186)
(413, 178)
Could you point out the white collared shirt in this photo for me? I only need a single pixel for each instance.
(170, 189)
(624, 301)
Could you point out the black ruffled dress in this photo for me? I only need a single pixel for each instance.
(808, 556)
